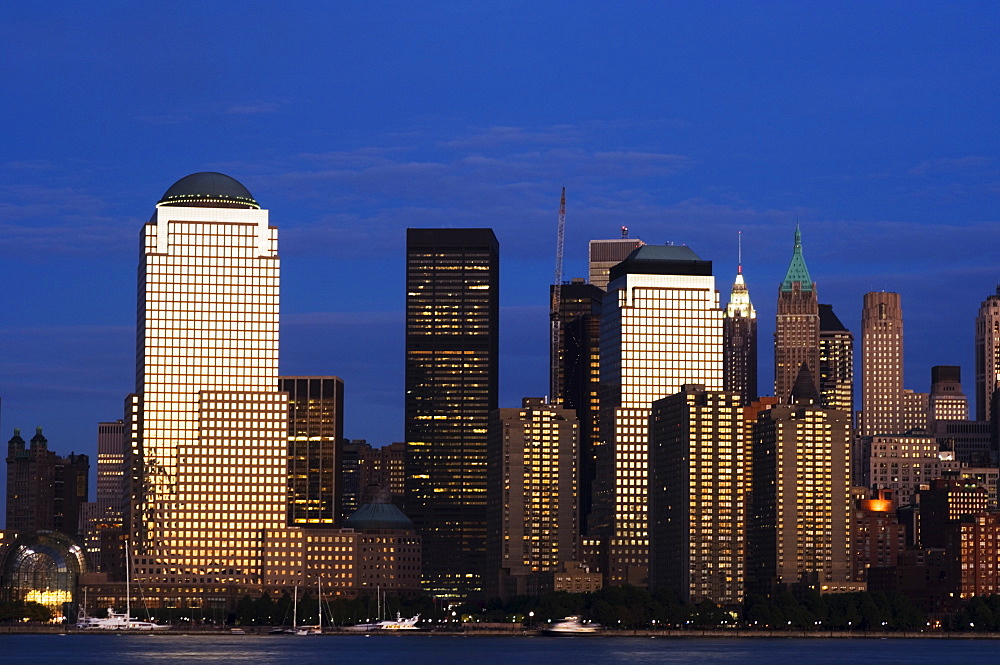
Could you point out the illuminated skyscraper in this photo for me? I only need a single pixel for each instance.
(836, 362)
(947, 401)
(740, 342)
(315, 435)
(886, 408)
(207, 426)
(987, 355)
(799, 521)
(452, 323)
(661, 328)
(533, 497)
(696, 512)
(796, 333)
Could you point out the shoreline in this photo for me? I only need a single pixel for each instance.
(525, 632)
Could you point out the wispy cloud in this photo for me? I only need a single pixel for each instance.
(947, 164)
(253, 108)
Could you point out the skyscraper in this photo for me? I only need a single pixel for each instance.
(452, 324)
(606, 254)
(836, 362)
(44, 491)
(207, 425)
(740, 342)
(799, 522)
(533, 497)
(987, 354)
(580, 366)
(696, 495)
(886, 408)
(315, 436)
(661, 329)
(796, 333)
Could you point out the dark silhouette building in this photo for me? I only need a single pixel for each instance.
(452, 330)
(739, 335)
(315, 435)
(44, 491)
(580, 374)
(836, 362)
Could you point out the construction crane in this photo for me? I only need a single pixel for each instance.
(555, 378)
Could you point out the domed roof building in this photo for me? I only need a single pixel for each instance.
(208, 189)
(42, 567)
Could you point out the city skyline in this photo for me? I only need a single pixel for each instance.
(883, 152)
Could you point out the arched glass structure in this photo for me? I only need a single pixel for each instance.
(42, 567)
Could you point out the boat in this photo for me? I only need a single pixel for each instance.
(572, 625)
(399, 623)
(117, 620)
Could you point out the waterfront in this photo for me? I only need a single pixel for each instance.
(462, 650)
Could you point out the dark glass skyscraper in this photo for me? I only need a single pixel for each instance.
(452, 331)
(836, 362)
(315, 437)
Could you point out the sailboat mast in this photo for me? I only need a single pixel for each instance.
(295, 609)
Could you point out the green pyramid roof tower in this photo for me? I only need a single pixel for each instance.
(797, 270)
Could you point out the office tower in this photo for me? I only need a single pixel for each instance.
(661, 328)
(987, 355)
(740, 342)
(452, 324)
(948, 500)
(208, 427)
(45, 492)
(947, 401)
(349, 484)
(878, 539)
(605, 254)
(371, 474)
(101, 526)
(970, 440)
(696, 495)
(836, 362)
(886, 408)
(580, 367)
(796, 332)
(315, 433)
(800, 508)
(902, 463)
(532, 496)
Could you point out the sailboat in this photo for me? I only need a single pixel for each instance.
(117, 620)
(399, 623)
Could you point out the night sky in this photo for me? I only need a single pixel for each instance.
(873, 124)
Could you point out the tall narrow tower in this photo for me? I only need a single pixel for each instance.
(740, 340)
(796, 333)
(452, 326)
(207, 426)
(987, 355)
(836, 362)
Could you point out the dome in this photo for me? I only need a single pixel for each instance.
(208, 190)
(380, 516)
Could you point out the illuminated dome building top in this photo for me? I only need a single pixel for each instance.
(208, 190)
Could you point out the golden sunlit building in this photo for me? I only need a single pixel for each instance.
(661, 328)
(696, 495)
(207, 425)
(533, 495)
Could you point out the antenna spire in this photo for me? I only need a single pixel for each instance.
(739, 252)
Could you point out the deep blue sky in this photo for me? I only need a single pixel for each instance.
(875, 124)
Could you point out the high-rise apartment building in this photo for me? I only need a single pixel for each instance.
(836, 362)
(902, 463)
(605, 254)
(207, 426)
(532, 495)
(796, 332)
(877, 537)
(696, 495)
(315, 434)
(739, 334)
(800, 508)
(661, 329)
(452, 324)
(102, 526)
(947, 401)
(579, 365)
(886, 408)
(987, 355)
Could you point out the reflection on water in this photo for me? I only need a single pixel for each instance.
(460, 650)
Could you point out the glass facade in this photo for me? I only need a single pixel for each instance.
(452, 333)
(208, 426)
